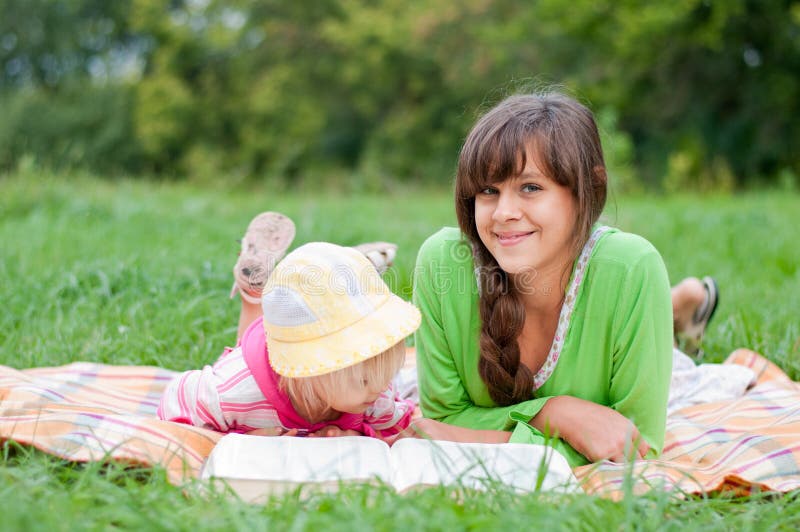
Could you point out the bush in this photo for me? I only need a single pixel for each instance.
(79, 127)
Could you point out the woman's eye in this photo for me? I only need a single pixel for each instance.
(530, 187)
(489, 191)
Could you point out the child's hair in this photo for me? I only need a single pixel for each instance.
(312, 395)
(562, 135)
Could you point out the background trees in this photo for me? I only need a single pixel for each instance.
(692, 92)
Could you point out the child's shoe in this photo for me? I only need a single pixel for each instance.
(380, 254)
(263, 245)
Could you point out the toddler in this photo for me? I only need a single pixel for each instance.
(319, 362)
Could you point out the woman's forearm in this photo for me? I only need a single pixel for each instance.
(596, 431)
(436, 430)
(553, 417)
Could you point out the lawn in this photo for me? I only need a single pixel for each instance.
(133, 272)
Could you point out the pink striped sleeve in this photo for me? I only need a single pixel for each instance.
(223, 397)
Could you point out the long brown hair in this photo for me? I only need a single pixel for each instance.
(563, 135)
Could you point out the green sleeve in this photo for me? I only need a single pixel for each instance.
(443, 393)
(642, 350)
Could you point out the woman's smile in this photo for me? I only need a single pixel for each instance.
(511, 238)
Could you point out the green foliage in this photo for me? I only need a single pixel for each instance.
(49, 43)
(163, 118)
(700, 93)
(717, 75)
(77, 127)
(619, 154)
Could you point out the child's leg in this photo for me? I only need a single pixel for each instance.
(249, 313)
(267, 238)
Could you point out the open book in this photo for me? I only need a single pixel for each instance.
(256, 466)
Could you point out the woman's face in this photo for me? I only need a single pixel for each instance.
(527, 222)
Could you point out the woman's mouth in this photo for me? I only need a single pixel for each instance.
(510, 238)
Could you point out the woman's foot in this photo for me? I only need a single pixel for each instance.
(380, 254)
(694, 303)
(267, 238)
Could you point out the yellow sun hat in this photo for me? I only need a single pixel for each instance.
(327, 308)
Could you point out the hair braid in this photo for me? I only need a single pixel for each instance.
(502, 318)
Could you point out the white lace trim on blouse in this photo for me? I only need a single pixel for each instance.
(566, 309)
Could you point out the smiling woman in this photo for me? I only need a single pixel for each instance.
(568, 328)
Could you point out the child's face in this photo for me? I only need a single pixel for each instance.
(356, 399)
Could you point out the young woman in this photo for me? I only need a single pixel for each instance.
(537, 320)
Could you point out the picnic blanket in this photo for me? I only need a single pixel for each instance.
(95, 412)
(86, 411)
(738, 445)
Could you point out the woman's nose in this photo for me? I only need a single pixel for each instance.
(506, 208)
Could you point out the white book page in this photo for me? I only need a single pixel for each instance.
(298, 460)
(478, 465)
(286, 461)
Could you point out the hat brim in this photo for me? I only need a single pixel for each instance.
(387, 325)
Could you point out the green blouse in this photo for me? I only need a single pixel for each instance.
(617, 350)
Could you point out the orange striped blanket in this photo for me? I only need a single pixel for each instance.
(86, 411)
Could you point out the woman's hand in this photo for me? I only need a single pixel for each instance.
(597, 432)
(436, 430)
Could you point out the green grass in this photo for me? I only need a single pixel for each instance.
(138, 273)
